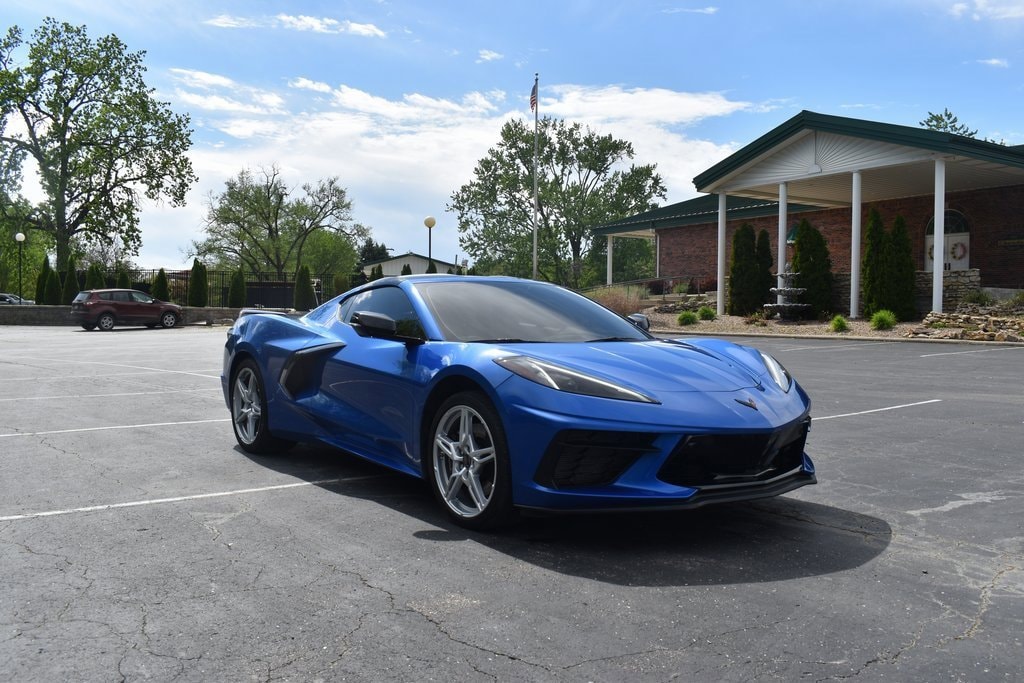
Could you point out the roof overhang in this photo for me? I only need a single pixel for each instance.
(816, 156)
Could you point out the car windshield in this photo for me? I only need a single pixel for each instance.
(521, 311)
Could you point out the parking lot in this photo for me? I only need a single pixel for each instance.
(138, 542)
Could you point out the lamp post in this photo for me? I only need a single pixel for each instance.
(20, 239)
(430, 223)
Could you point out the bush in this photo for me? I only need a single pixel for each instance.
(71, 284)
(305, 295)
(656, 287)
(687, 318)
(744, 277)
(706, 313)
(813, 264)
(236, 290)
(622, 300)
(94, 277)
(979, 297)
(160, 288)
(198, 291)
(839, 324)
(883, 320)
(756, 318)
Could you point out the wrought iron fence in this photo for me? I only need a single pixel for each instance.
(262, 290)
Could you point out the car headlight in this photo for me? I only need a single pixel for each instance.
(571, 381)
(778, 373)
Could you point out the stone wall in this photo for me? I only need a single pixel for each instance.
(61, 315)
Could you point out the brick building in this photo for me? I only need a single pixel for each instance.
(833, 171)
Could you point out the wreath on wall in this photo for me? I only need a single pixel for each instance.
(958, 251)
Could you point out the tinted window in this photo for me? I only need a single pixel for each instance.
(529, 311)
(120, 296)
(389, 301)
(141, 297)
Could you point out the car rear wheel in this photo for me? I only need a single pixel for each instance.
(168, 320)
(249, 411)
(105, 322)
(470, 473)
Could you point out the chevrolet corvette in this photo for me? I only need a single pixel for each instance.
(507, 395)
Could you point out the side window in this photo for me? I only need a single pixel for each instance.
(389, 301)
(121, 296)
(142, 297)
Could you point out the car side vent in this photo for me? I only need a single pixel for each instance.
(301, 371)
(579, 458)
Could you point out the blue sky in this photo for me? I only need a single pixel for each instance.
(400, 98)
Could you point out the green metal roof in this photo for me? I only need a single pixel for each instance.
(697, 211)
(921, 138)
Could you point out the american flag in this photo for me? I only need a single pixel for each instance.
(533, 97)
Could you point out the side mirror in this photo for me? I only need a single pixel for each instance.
(641, 321)
(375, 324)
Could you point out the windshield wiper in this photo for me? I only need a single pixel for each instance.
(614, 339)
(500, 340)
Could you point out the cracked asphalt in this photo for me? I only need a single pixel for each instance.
(138, 543)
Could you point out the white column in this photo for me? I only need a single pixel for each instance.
(657, 255)
(611, 243)
(783, 210)
(939, 249)
(855, 212)
(721, 253)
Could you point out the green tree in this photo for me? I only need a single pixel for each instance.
(71, 286)
(260, 224)
(53, 288)
(371, 251)
(123, 279)
(873, 264)
(198, 290)
(42, 280)
(583, 180)
(96, 134)
(94, 277)
(632, 259)
(406, 269)
(161, 290)
(899, 283)
(236, 289)
(812, 262)
(744, 296)
(763, 254)
(431, 266)
(305, 295)
(949, 123)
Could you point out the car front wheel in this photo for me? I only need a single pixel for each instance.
(88, 327)
(249, 411)
(470, 473)
(105, 322)
(168, 320)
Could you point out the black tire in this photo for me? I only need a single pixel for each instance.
(168, 320)
(88, 327)
(469, 469)
(248, 401)
(105, 322)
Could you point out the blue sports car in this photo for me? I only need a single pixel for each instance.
(507, 394)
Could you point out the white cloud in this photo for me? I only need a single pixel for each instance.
(691, 10)
(489, 56)
(997, 62)
(401, 158)
(299, 22)
(996, 10)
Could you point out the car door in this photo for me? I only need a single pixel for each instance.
(374, 386)
(145, 309)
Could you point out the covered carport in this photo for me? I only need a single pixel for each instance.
(832, 162)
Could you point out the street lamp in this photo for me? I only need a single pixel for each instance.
(430, 223)
(20, 239)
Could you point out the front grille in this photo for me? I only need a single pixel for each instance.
(578, 458)
(702, 460)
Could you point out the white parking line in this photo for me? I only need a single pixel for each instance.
(834, 347)
(182, 499)
(120, 365)
(129, 393)
(112, 427)
(960, 353)
(62, 378)
(879, 410)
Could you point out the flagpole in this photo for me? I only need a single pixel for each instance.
(535, 105)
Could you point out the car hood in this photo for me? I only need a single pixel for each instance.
(659, 365)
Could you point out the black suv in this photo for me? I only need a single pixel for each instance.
(104, 308)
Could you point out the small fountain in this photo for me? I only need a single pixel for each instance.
(788, 306)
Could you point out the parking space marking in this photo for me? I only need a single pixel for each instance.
(961, 353)
(127, 393)
(879, 410)
(62, 378)
(122, 365)
(113, 427)
(839, 346)
(183, 499)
